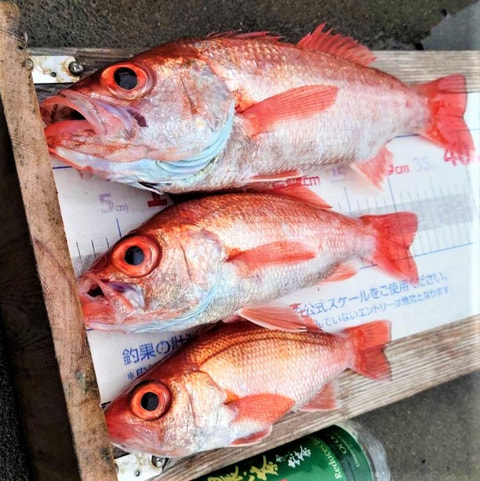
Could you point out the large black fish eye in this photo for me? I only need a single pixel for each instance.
(134, 256)
(150, 401)
(125, 78)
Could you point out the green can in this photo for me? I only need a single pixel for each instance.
(344, 452)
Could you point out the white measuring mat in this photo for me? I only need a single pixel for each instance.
(444, 195)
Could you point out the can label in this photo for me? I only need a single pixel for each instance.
(330, 455)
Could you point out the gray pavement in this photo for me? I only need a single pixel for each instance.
(434, 435)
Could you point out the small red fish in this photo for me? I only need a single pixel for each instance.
(209, 259)
(228, 386)
(236, 109)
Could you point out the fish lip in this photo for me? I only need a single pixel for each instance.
(106, 302)
(100, 115)
(75, 101)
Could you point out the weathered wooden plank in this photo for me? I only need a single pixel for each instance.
(55, 380)
(418, 362)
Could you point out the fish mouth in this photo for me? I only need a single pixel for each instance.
(106, 303)
(69, 113)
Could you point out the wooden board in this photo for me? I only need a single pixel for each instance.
(54, 377)
(42, 317)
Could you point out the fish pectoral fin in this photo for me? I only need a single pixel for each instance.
(299, 192)
(337, 44)
(265, 408)
(253, 438)
(324, 400)
(342, 271)
(294, 104)
(281, 252)
(376, 168)
(275, 316)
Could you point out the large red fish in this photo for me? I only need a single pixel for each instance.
(232, 255)
(235, 109)
(230, 385)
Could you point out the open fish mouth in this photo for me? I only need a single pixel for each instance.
(106, 302)
(70, 112)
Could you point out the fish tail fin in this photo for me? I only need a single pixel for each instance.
(369, 341)
(447, 100)
(395, 234)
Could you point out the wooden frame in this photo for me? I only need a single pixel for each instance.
(55, 381)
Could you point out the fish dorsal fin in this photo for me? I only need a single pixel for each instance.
(337, 44)
(300, 192)
(294, 104)
(324, 400)
(281, 252)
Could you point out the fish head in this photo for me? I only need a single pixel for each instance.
(174, 416)
(152, 279)
(152, 118)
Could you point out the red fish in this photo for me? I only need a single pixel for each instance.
(235, 109)
(232, 255)
(228, 386)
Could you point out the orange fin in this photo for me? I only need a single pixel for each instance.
(447, 99)
(281, 252)
(276, 177)
(337, 44)
(253, 438)
(375, 169)
(300, 192)
(296, 103)
(369, 341)
(275, 316)
(340, 273)
(395, 233)
(263, 408)
(325, 400)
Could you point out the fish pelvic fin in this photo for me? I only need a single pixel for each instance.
(369, 341)
(337, 44)
(276, 316)
(447, 100)
(395, 234)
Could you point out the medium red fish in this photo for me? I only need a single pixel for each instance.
(231, 255)
(235, 109)
(228, 386)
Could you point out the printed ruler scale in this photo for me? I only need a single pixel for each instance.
(444, 195)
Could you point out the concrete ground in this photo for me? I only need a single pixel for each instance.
(434, 435)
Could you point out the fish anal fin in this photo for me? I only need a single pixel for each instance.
(342, 271)
(376, 168)
(281, 252)
(253, 438)
(294, 104)
(337, 44)
(275, 316)
(324, 400)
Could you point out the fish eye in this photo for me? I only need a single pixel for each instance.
(136, 256)
(150, 400)
(126, 80)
